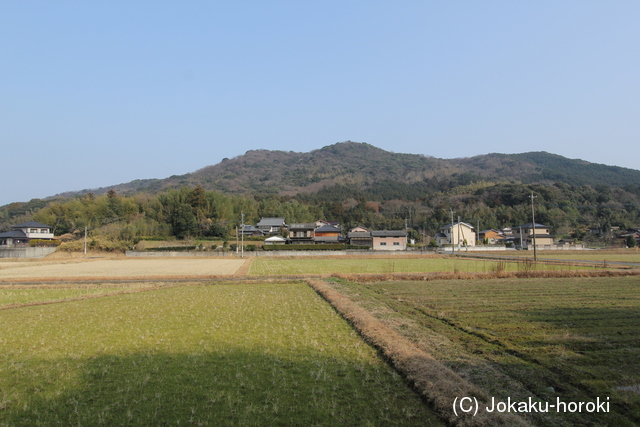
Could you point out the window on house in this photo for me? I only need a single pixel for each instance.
(383, 243)
(33, 230)
(396, 243)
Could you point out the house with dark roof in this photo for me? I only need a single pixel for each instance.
(329, 234)
(303, 233)
(360, 236)
(271, 225)
(389, 240)
(22, 234)
(251, 231)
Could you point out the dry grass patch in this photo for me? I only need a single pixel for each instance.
(123, 268)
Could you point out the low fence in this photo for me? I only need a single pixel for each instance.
(35, 252)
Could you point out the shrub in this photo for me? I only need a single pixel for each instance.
(173, 249)
(43, 242)
(96, 243)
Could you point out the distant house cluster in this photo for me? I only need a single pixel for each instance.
(461, 234)
(21, 235)
(325, 232)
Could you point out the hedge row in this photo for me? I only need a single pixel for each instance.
(44, 242)
(323, 247)
(173, 249)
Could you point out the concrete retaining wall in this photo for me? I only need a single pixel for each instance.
(36, 252)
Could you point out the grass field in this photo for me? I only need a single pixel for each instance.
(274, 353)
(226, 354)
(300, 265)
(619, 255)
(574, 338)
(14, 295)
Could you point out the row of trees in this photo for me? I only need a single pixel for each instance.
(194, 212)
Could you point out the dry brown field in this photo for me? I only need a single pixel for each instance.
(118, 268)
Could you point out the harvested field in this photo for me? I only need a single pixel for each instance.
(121, 268)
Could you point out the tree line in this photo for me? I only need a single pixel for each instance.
(423, 208)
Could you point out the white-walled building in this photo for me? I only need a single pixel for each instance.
(460, 234)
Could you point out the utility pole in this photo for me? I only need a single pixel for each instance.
(533, 219)
(453, 248)
(242, 226)
(458, 232)
(85, 239)
(237, 242)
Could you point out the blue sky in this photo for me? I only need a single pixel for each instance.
(100, 93)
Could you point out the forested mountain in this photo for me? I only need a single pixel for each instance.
(353, 183)
(365, 166)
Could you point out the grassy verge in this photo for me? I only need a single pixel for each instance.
(227, 354)
(576, 339)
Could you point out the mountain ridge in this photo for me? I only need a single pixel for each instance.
(288, 173)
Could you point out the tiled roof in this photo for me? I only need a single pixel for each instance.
(33, 224)
(305, 226)
(328, 229)
(389, 233)
(272, 222)
(530, 225)
(359, 234)
(16, 234)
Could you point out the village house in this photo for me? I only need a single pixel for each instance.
(20, 235)
(360, 236)
(251, 231)
(459, 234)
(271, 225)
(389, 240)
(302, 233)
(329, 234)
(492, 236)
(524, 234)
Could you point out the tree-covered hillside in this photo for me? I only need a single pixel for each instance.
(355, 184)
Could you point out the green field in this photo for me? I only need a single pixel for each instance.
(629, 255)
(225, 354)
(300, 265)
(18, 295)
(573, 338)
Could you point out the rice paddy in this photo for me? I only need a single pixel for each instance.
(225, 354)
(391, 265)
(571, 338)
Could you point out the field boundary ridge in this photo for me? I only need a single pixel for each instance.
(435, 382)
